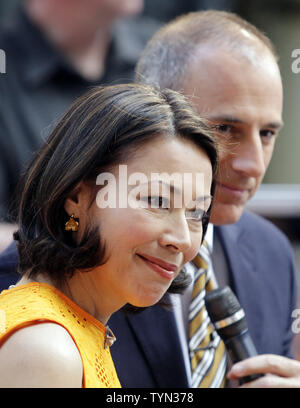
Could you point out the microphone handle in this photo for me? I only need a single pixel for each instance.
(239, 348)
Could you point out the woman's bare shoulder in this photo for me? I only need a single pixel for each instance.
(41, 355)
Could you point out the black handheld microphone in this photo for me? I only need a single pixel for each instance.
(228, 318)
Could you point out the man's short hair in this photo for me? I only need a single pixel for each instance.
(167, 56)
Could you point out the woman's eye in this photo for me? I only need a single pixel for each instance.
(157, 202)
(195, 215)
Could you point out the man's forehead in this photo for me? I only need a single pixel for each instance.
(251, 51)
(235, 93)
(214, 63)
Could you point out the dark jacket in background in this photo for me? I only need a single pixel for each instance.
(40, 84)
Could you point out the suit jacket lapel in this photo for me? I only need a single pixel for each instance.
(242, 266)
(162, 351)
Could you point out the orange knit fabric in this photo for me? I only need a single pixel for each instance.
(35, 303)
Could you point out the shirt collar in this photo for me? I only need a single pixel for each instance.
(209, 237)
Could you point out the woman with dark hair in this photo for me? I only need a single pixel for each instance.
(104, 221)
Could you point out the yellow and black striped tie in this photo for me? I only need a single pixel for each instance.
(207, 350)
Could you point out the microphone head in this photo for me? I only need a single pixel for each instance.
(225, 312)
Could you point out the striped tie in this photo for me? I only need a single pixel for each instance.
(207, 350)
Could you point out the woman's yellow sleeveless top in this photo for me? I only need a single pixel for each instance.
(36, 303)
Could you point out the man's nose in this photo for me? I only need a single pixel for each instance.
(248, 156)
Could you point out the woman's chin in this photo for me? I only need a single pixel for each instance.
(147, 301)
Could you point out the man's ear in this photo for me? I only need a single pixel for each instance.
(78, 201)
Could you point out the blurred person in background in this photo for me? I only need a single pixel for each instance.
(55, 50)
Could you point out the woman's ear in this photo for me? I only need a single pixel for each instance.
(78, 201)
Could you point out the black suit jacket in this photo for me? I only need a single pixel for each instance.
(147, 352)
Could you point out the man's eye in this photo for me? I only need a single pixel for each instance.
(195, 215)
(267, 134)
(223, 128)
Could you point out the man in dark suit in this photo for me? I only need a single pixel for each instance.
(229, 71)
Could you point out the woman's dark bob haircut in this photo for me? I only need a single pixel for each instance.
(102, 128)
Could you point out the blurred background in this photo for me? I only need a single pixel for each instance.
(278, 199)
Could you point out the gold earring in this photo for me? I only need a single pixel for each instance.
(72, 224)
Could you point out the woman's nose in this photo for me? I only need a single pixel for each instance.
(176, 234)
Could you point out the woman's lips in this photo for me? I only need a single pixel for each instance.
(164, 269)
